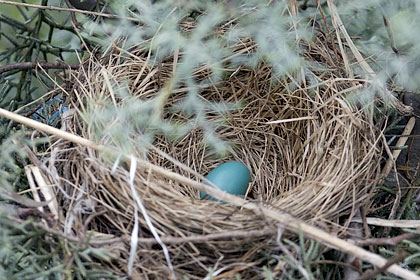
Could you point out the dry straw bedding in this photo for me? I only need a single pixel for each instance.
(319, 166)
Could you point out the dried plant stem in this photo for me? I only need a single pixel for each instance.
(390, 223)
(386, 241)
(395, 154)
(287, 221)
(390, 34)
(370, 274)
(49, 129)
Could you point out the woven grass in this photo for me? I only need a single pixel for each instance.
(318, 162)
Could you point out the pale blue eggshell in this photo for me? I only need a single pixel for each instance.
(232, 177)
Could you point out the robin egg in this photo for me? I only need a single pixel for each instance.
(232, 177)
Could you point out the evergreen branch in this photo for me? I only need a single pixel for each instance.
(52, 8)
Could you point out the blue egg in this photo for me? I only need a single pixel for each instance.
(232, 177)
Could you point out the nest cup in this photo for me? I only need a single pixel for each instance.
(318, 162)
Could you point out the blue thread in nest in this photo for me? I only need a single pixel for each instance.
(38, 114)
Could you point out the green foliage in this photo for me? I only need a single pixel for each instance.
(212, 43)
(388, 37)
(10, 169)
(29, 253)
(303, 266)
(28, 35)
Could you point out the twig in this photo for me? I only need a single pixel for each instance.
(49, 129)
(36, 64)
(392, 159)
(370, 274)
(73, 17)
(395, 154)
(390, 223)
(289, 222)
(52, 8)
(386, 241)
(390, 35)
(27, 202)
(350, 273)
(23, 213)
(403, 135)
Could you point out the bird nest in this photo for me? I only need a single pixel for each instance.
(310, 152)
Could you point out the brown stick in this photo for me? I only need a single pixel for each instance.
(36, 64)
(370, 274)
(49, 129)
(73, 17)
(287, 221)
(389, 223)
(385, 241)
(390, 35)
